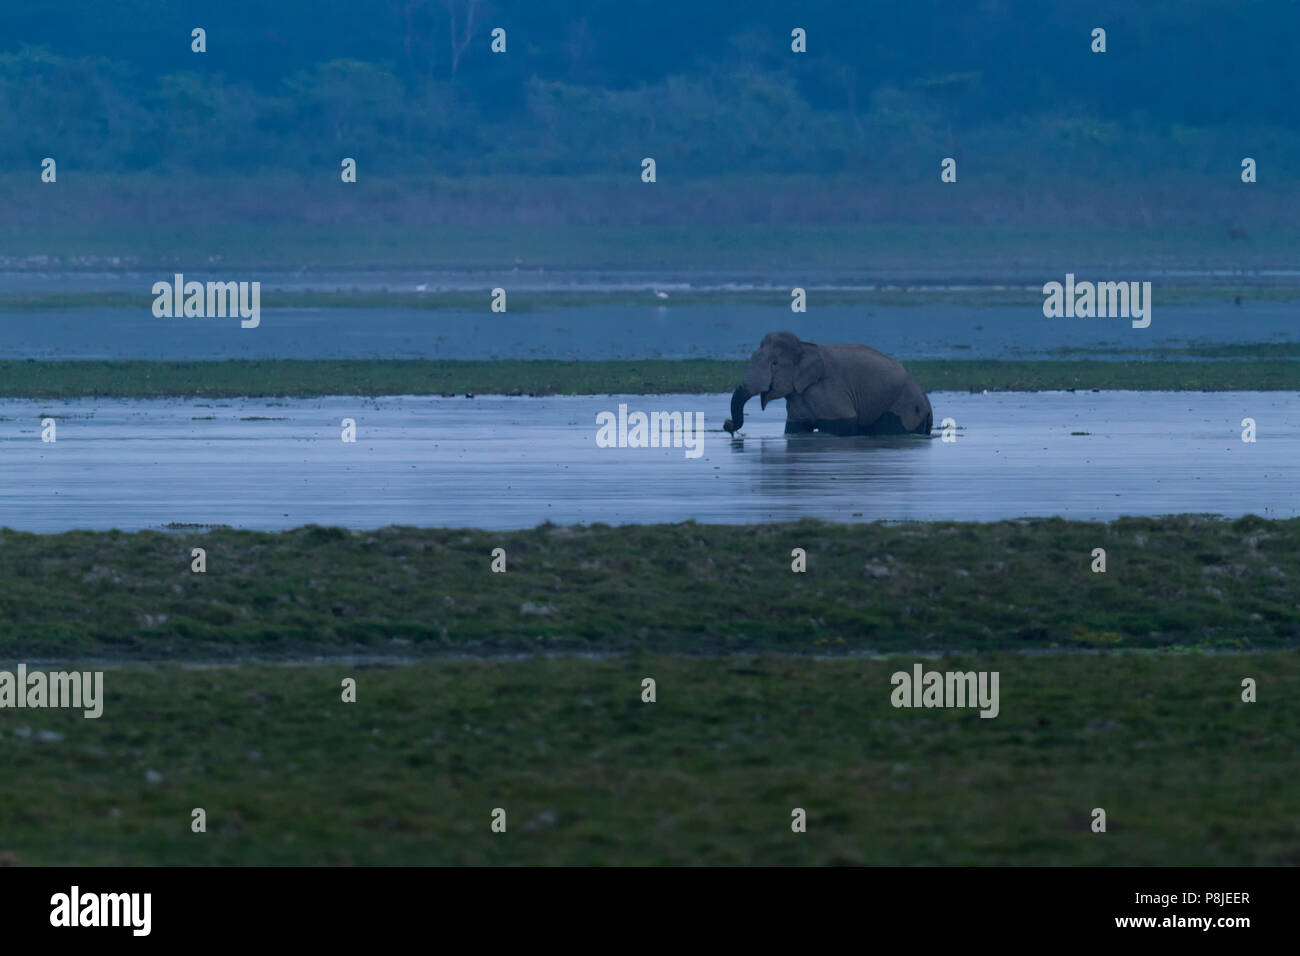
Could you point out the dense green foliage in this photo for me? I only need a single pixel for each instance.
(885, 88)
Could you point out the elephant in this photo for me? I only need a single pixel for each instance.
(838, 389)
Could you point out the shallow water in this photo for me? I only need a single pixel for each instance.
(497, 462)
(625, 332)
(938, 275)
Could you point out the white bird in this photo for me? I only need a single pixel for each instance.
(421, 287)
(660, 295)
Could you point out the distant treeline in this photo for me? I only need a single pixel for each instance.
(707, 89)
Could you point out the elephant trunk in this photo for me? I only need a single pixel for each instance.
(738, 399)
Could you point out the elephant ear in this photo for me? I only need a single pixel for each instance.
(811, 369)
(911, 406)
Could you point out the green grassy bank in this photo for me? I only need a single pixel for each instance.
(120, 240)
(587, 773)
(1172, 581)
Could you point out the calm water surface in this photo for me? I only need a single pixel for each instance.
(497, 462)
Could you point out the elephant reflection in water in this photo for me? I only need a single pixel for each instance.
(852, 479)
(838, 389)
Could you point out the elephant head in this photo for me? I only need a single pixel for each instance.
(782, 365)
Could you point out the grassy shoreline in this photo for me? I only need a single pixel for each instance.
(1182, 581)
(301, 378)
(248, 238)
(708, 774)
(1151, 727)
